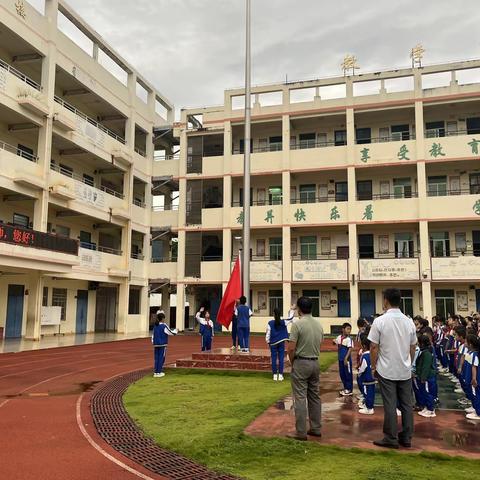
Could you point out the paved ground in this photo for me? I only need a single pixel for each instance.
(40, 438)
(449, 433)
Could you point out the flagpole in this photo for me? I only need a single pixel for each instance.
(246, 163)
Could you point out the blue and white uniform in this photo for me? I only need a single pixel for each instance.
(206, 331)
(243, 314)
(366, 380)
(471, 360)
(344, 345)
(160, 336)
(474, 361)
(276, 338)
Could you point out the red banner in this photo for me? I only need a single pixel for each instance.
(232, 292)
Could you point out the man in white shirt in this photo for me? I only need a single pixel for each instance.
(393, 339)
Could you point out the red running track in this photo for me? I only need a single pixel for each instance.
(40, 437)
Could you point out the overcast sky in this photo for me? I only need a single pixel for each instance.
(192, 50)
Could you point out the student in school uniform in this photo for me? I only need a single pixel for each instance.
(243, 313)
(161, 332)
(206, 329)
(234, 329)
(345, 346)
(276, 337)
(473, 363)
(365, 378)
(460, 335)
(424, 374)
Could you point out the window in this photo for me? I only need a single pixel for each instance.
(322, 140)
(341, 191)
(62, 231)
(134, 301)
(325, 246)
(445, 302)
(59, 299)
(364, 135)
(437, 186)
(384, 134)
(473, 126)
(454, 185)
(314, 295)
(404, 245)
(275, 300)
(86, 240)
(307, 140)
(452, 128)
(275, 143)
(21, 220)
(435, 129)
(275, 248)
(45, 297)
(323, 193)
(364, 189)
(88, 179)
(402, 187)
(340, 137)
(440, 244)
(263, 144)
(461, 242)
(365, 246)
(308, 248)
(307, 193)
(400, 132)
(406, 304)
(385, 189)
(474, 183)
(275, 195)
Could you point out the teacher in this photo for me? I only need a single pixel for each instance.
(393, 340)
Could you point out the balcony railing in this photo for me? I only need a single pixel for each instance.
(387, 196)
(168, 259)
(86, 181)
(88, 245)
(467, 252)
(111, 251)
(388, 255)
(139, 203)
(162, 158)
(261, 258)
(19, 152)
(140, 152)
(88, 119)
(320, 256)
(441, 132)
(455, 192)
(394, 137)
(273, 147)
(339, 197)
(305, 144)
(164, 208)
(258, 203)
(137, 256)
(20, 75)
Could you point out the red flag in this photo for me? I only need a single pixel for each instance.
(232, 293)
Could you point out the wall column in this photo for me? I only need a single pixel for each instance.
(287, 269)
(34, 307)
(181, 307)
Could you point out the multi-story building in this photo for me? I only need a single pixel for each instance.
(358, 183)
(76, 156)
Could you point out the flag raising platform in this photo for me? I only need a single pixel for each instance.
(225, 359)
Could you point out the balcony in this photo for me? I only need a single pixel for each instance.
(317, 155)
(322, 269)
(386, 267)
(459, 267)
(260, 216)
(102, 261)
(166, 166)
(211, 270)
(452, 204)
(266, 270)
(380, 210)
(164, 268)
(330, 212)
(441, 145)
(13, 167)
(68, 185)
(165, 216)
(138, 266)
(385, 152)
(31, 249)
(262, 160)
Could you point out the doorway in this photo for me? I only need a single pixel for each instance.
(82, 311)
(367, 303)
(106, 309)
(343, 306)
(16, 297)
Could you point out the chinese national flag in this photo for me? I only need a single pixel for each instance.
(232, 293)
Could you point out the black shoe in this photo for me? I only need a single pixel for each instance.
(295, 436)
(405, 444)
(313, 433)
(385, 444)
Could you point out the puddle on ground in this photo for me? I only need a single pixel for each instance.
(79, 388)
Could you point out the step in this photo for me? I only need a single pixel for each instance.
(232, 357)
(225, 365)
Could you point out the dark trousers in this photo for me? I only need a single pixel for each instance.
(425, 396)
(243, 337)
(159, 358)
(306, 395)
(397, 394)
(206, 343)
(234, 332)
(346, 375)
(278, 356)
(475, 396)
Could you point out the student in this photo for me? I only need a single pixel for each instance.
(424, 374)
(473, 343)
(234, 329)
(243, 313)
(276, 336)
(460, 336)
(365, 378)
(206, 329)
(161, 332)
(345, 346)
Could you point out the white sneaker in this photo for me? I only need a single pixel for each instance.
(399, 413)
(463, 401)
(346, 393)
(155, 374)
(160, 375)
(366, 411)
(275, 377)
(458, 390)
(361, 406)
(428, 413)
(473, 416)
(470, 410)
(280, 377)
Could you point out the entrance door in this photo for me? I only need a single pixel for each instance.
(106, 309)
(343, 305)
(82, 309)
(367, 303)
(476, 243)
(365, 245)
(16, 296)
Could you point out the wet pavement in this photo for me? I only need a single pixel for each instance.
(449, 432)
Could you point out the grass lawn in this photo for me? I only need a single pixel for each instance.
(202, 416)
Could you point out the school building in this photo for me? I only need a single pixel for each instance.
(359, 182)
(78, 131)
